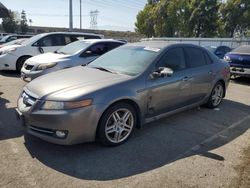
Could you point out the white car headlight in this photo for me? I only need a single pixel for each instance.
(227, 58)
(8, 51)
(45, 66)
(57, 105)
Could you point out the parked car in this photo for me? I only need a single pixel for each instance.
(9, 38)
(239, 60)
(121, 90)
(14, 42)
(77, 53)
(13, 57)
(219, 51)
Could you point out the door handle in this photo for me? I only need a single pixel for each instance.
(210, 72)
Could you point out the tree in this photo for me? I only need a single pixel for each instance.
(9, 24)
(204, 17)
(24, 22)
(235, 14)
(145, 22)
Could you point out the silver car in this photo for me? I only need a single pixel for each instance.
(120, 91)
(74, 54)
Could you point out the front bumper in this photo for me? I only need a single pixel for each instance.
(79, 124)
(30, 74)
(240, 71)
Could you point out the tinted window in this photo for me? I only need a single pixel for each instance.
(112, 45)
(58, 40)
(173, 59)
(91, 37)
(195, 57)
(96, 50)
(208, 59)
(51, 40)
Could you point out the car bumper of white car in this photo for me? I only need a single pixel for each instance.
(32, 74)
(8, 62)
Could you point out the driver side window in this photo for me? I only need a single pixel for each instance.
(174, 59)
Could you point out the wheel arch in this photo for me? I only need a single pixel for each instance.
(223, 84)
(17, 61)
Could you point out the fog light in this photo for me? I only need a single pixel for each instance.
(60, 134)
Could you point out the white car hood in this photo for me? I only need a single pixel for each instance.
(9, 47)
(47, 58)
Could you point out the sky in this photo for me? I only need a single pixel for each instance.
(119, 15)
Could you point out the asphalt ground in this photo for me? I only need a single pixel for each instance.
(196, 148)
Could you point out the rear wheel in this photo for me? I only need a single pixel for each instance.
(216, 96)
(116, 124)
(20, 63)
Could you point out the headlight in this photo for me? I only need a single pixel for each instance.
(8, 51)
(56, 105)
(45, 66)
(227, 58)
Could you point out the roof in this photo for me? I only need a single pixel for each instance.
(102, 40)
(73, 33)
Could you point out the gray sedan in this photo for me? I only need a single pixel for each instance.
(74, 54)
(120, 91)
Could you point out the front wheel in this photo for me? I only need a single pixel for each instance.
(20, 63)
(216, 96)
(116, 124)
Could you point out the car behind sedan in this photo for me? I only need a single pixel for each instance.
(239, 60)
(120, 91)
(219, 51)
(74, 54)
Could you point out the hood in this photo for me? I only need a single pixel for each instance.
(72, 84)
(47, 58)
(4, 48)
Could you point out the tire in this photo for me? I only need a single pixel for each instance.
(113, 130)
(20, 63)
(216, 96)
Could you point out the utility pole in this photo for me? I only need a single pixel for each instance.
(80, 14)
(70, 16)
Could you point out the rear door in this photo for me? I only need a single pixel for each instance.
(203, 72)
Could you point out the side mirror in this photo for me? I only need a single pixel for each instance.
(162, 72)
(40, 49)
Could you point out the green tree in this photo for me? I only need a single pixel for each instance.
(145, 22)
(204, 17)
(24, 22)
(235, 17)
(9, 24)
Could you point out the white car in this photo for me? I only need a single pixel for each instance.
(77, 53)
(13, 57)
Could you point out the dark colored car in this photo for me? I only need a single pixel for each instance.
(239, 60)
(219, 51)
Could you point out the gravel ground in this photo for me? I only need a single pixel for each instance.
(196, 148)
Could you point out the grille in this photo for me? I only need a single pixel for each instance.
(48, 132)
(28, 100)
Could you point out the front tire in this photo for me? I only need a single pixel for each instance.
(116, 124)
(20, 63)
(216, 96)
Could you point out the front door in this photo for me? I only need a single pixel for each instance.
(169, 93)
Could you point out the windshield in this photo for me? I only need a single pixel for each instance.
(74, 47)
(4, 38)
(33, 39)
(242, 49)
(130, 60)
